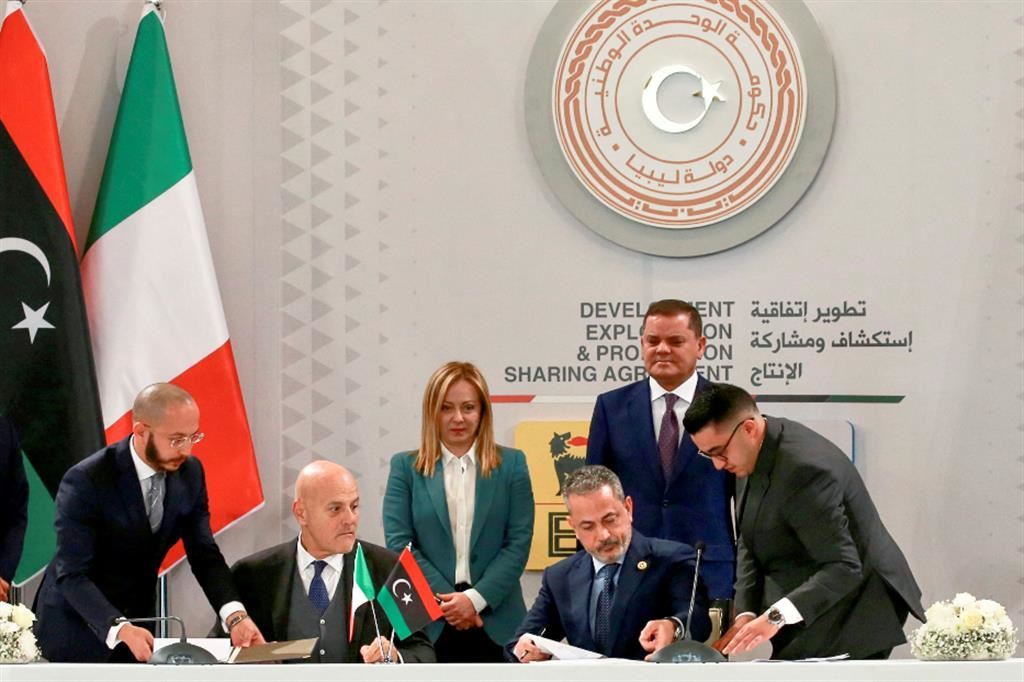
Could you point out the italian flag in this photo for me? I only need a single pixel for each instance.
(362, 588)
(154, 306)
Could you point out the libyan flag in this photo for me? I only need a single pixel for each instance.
(47, 380)
(155, 312)
(406, 597)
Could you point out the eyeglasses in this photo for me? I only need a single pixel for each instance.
(182, 441)
(720, 455)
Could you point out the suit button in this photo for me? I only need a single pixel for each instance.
(323, 622)
(664, 503)
(323, 653)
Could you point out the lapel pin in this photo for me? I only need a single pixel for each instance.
(642, 565)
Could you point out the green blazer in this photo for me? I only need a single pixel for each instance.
(416, 511)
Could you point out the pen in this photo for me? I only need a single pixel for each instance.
(539, 634)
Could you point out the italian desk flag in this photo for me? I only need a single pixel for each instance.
(362, 588)
(154, 306)
(47, 381)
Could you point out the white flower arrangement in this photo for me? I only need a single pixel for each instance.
(17, 642)
(964, 629)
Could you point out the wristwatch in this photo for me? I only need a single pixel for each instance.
(775, 617)
(679, 627)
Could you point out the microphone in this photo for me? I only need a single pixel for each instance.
(179, 653)
(687, 650)
(699, 546)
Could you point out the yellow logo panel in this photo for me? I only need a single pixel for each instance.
(553, 449)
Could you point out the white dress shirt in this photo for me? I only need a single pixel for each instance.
(460, 491)
(330, 575)
(683, 391)
(145, 474)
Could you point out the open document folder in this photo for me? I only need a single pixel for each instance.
(562, 651)
(225, 653)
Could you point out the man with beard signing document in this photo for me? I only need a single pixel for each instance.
(623, 595)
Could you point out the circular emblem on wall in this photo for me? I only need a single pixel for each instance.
(683, 127)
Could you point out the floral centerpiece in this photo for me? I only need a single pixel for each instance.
(17, 643)
(964, 629)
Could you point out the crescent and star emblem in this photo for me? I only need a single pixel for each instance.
(709, 92)
(34, 320)
(406, 597)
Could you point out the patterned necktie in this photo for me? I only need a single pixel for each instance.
(155, 500)
(602, 618)
(668, 437)
(318, 589)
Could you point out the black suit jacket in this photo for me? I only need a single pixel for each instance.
(265, 582)
(810, 532)
(655, 581)
(13, 501)
(693, 505)
(107, 557)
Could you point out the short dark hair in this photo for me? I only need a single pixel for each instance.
(588, 479)
(717, 403)
(670, 307)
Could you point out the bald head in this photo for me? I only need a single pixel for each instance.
(319, 475)
(152, 402)
(326, 507)
(165, 426)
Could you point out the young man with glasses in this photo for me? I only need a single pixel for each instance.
(117, 513)
(814, 559)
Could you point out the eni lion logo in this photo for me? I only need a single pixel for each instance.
(564, 459)
(554, 449)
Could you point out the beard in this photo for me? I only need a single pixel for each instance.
(152, 457)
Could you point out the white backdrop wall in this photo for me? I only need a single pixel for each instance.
(374, 210)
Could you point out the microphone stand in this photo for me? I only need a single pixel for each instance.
(686, 650)
(178, 653)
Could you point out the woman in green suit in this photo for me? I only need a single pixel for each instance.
(466, 505)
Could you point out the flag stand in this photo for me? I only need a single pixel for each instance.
(162, 603)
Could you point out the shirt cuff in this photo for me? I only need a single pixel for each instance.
(112, 640)
(788, 611)
(680, 625)
(479, 603)
(226, 611)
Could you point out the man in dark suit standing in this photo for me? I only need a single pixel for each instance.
(302, 588)
(13, 506)
(624, 595)
(636, 432)
(817, 573)
(117, 513)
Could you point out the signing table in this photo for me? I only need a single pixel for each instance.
(597, 671)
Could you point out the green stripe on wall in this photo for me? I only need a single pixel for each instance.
(148, 149)
(40, 537)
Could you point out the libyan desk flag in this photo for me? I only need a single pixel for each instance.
(406, 597)
(47, 380)
(155, 311)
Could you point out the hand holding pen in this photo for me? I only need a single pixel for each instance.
(526, 650)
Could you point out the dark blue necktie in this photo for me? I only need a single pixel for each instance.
(318, 590)
(602, 619)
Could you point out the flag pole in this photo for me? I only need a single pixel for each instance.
(376, 627)
(161, 605)
(391, 647)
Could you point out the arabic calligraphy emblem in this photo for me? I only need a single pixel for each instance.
(609, 92)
